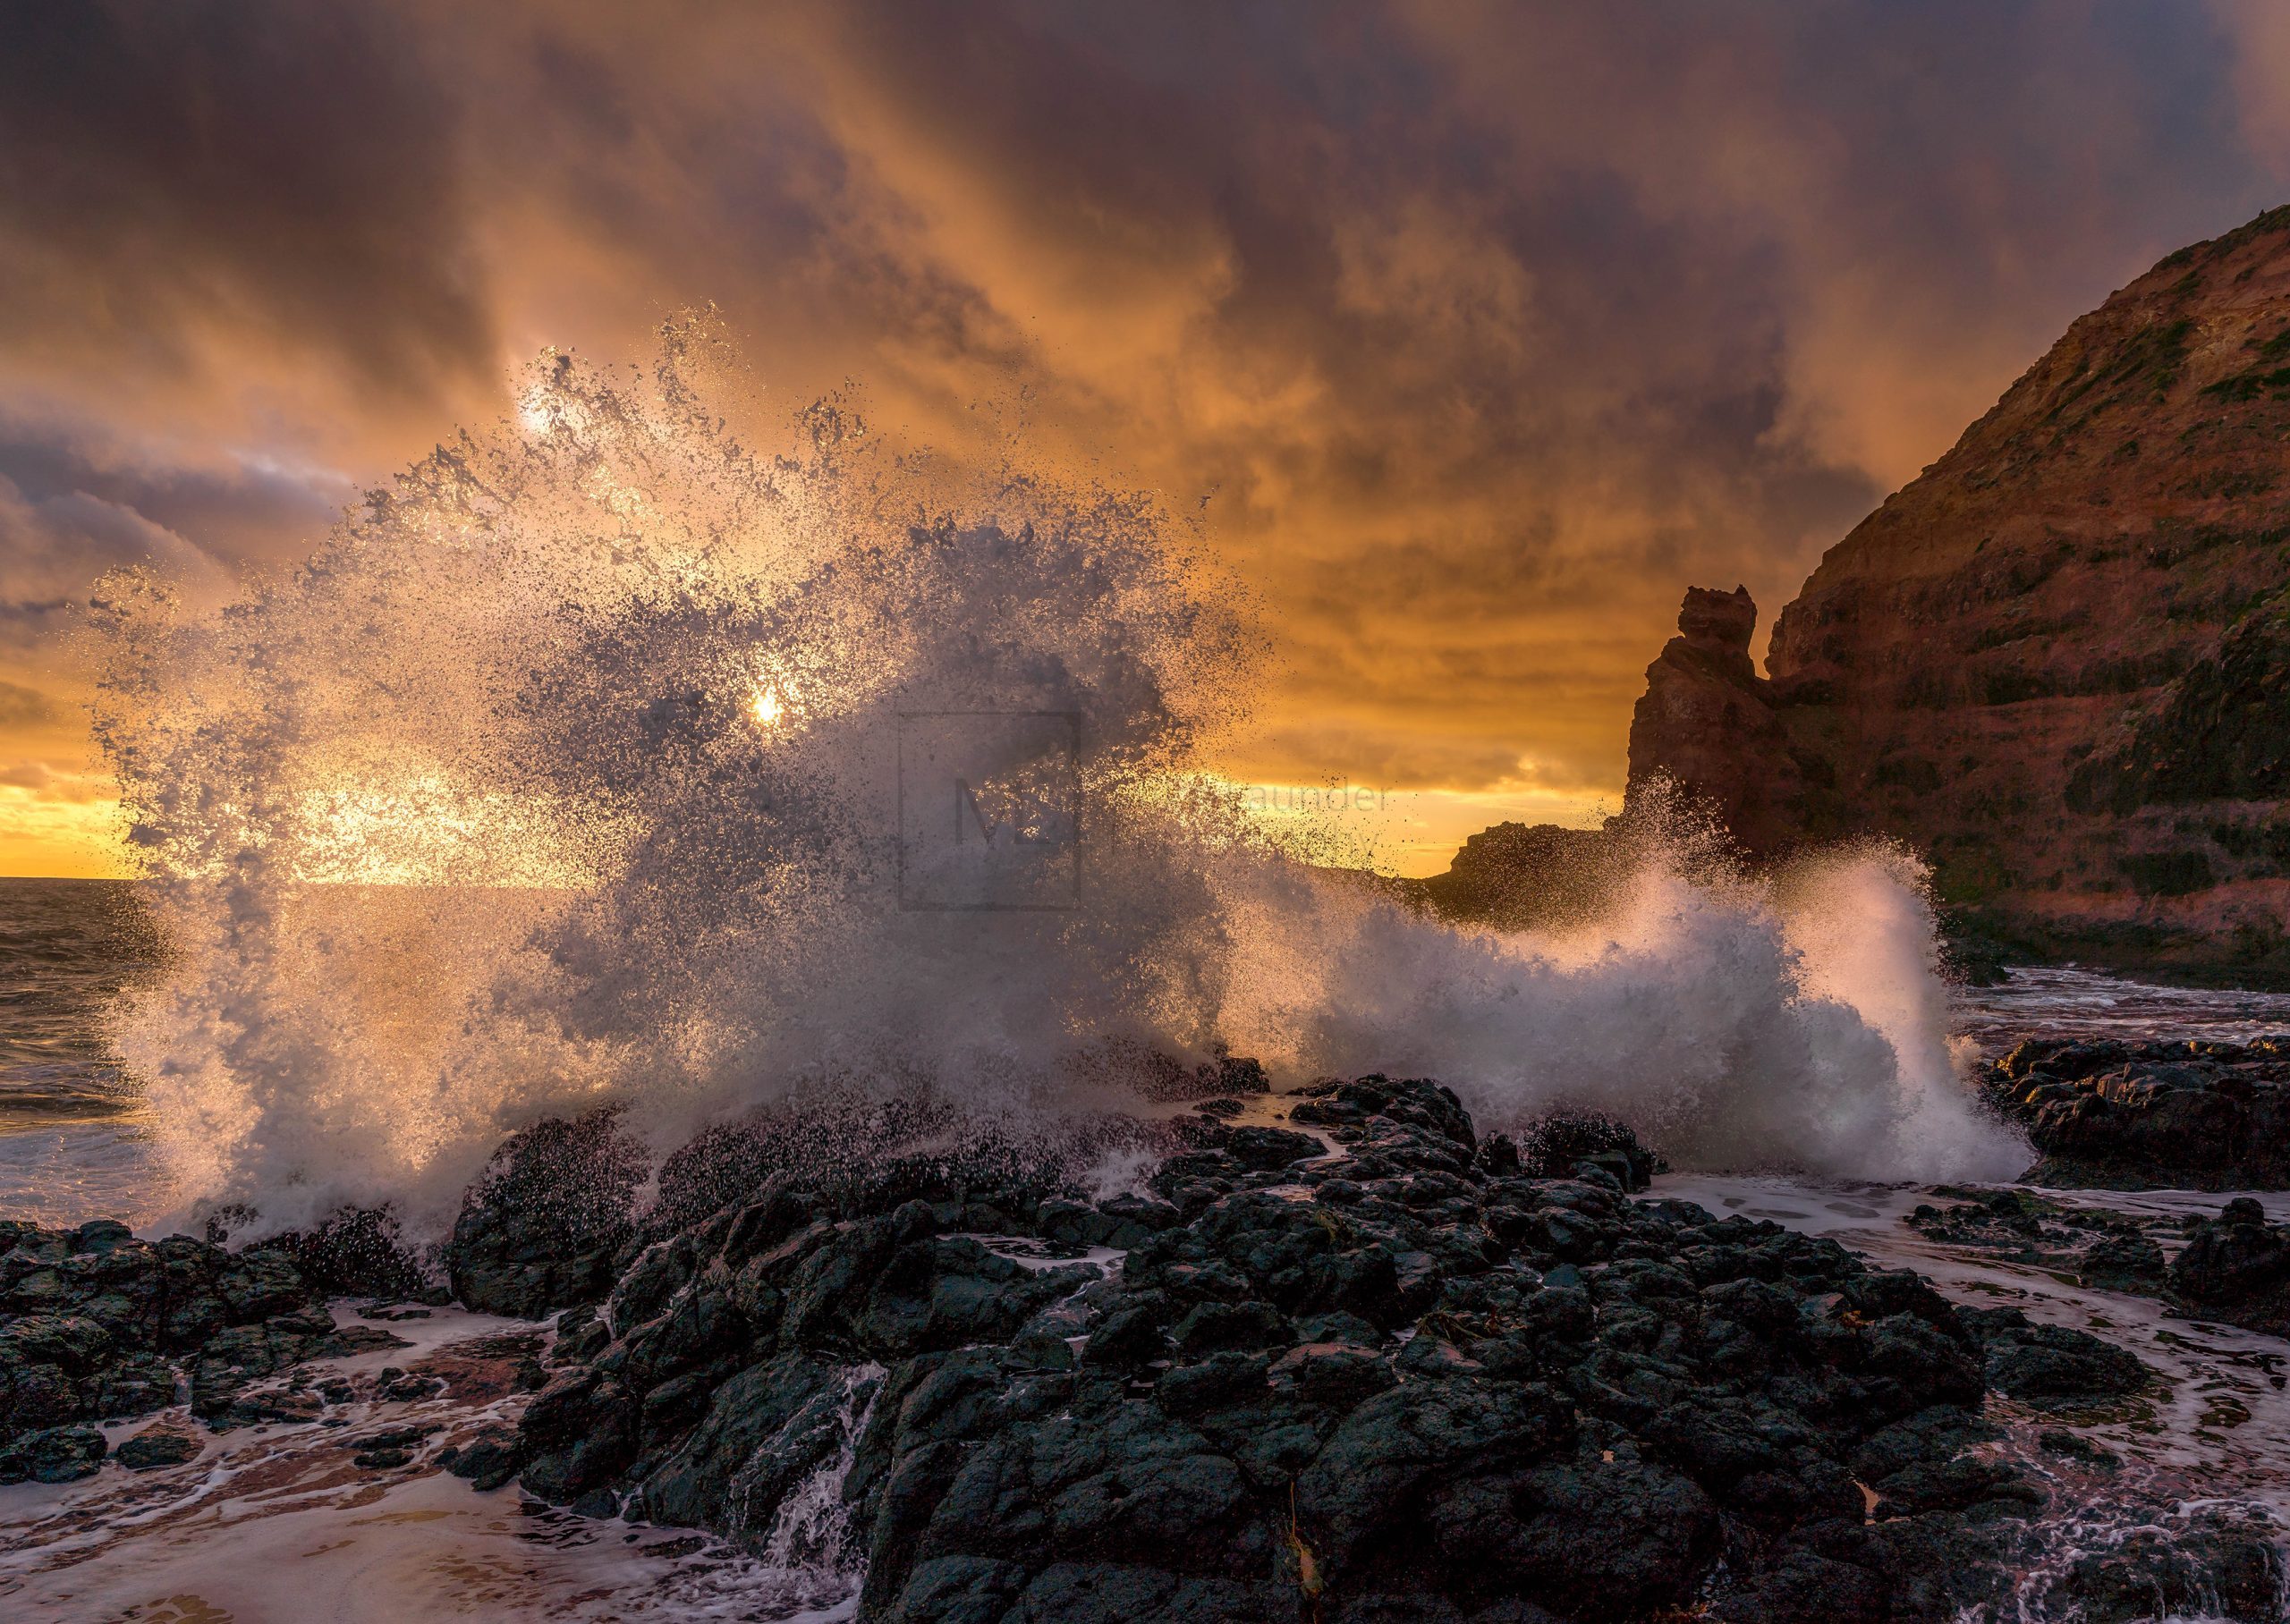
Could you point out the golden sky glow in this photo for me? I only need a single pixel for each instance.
(1470, 333)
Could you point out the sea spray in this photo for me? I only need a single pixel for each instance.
(1796, 1021)
(573, 769)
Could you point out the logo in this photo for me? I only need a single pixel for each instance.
(989, 810)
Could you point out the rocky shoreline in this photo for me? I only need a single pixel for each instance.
(96, 1324)
(1340, 1359)
(2190, 1115)
(1396, 1379)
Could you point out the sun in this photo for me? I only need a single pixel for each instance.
(765, 706)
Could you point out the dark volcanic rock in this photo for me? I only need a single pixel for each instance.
(2051, 1365)
(97, 1324)
(1558, 1147)
(1406, 1382)
(539, 1231)
(2196, 1115)
(360, 1252)
(58, 1454)
(156, 1446)
(488, 1461)
(2236, 1268)
(2218, 1566)
(2102, 1249)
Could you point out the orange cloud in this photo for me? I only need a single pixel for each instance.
(1471, 333)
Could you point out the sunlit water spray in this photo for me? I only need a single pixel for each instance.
(569, 770)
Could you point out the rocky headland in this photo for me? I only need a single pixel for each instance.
(2057, 663)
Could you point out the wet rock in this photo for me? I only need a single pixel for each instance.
(156, 1446)
(2074, 1446)
(290, 1405)
(2215, 1566)
(1410, 1381)
(2121, 1262)
(96, 1324)
(1221, 1381)
(2099, 1249)
(390, 1438)
(1556, 1147)
(231, 1360)
(345, 1341)
(400, 1387)
(1588, 1538)
(1270, 1148)
(581, 1336)
(540, 1229)
(2052, 1364)
(57, 1454)
(1334, 1374)
(2236, 1268)
(490, 1461)
(2187, 1114)
(361, 1252)
(1133, 1334)
(764, 1430)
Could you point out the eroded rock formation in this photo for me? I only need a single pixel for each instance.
(1709, 724)
(2058, 661)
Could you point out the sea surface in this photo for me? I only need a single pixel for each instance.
(72, 1141)
(2068, 1002)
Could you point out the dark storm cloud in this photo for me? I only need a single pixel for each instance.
(179, 175)
(232, 507)
(54, 548)
(1484, 327)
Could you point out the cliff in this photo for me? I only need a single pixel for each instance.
(2058, 661)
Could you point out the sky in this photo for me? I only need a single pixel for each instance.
(1473, 333)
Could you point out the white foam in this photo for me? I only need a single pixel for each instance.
(482, 814)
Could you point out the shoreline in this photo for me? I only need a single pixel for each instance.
(1095, 1303)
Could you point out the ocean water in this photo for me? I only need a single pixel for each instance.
(2065, 1001)
(74, 1139)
